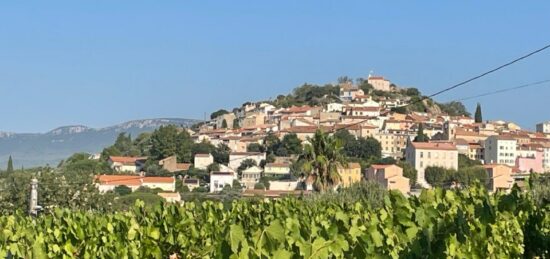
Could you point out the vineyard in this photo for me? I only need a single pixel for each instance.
(464, 224)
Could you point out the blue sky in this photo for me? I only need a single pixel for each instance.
(104, 62)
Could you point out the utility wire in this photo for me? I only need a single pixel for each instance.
(481, 75)
(490, 71)
(504, 90)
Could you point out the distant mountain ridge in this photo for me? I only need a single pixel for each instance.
(36, 149)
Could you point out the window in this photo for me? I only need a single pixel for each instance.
(429, 154)
(421, 154)
(421, 164)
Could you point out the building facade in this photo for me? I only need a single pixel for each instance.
(544, 127)
(202, 161)
(350, 174)
(389, 176)
(500, 177)
(425, 154)
(500, 150)
(379, 83)
(218, 180)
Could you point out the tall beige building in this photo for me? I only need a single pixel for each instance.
(425, 154)
(379, 83)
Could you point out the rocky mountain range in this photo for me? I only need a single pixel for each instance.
(36, 149)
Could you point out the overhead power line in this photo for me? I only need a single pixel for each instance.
(490, 71)
(504, 90)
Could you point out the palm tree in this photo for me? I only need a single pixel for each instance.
(321, 159)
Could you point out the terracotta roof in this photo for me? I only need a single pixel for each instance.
(157, 179)
(354, 165)
(433, 146)
(131, 180)
(376, 78)
(126, 159)
(370, 109)
(503, 137)
(353, 126)
(128, 180)
(468, 133)
(305, 129)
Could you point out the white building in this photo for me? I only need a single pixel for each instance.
(277, 169)
(544, 127)
(500, 150)
(127, 164)
(218, 180)
(546, 157)
(251, 176)
(202, 161)
(236, 158)
(335, 107)
(424, 154)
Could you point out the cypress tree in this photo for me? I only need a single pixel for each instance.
(10, 166)
(420, 136)
(478, 118)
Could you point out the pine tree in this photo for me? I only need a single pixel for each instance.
(10, 166)
(478, 117)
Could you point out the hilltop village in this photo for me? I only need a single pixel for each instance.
(389, 134)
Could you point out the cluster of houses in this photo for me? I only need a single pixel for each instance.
(507, 152)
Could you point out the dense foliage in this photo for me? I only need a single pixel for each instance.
(368, 149)
(309, 94)
(321, 159)
(437, 224)
(454, 108)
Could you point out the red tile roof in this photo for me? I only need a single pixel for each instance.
(157, 179)
(128, 180)
(433, 146)
(131, 180)
(126, 159)
(376, 78)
